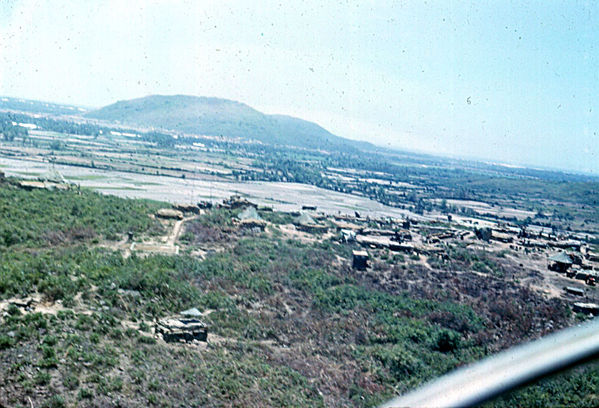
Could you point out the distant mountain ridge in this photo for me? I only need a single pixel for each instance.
(36, 107)
(223, 117)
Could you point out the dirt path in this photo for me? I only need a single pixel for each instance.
(175, 233)
(166, 244)
(177, 230)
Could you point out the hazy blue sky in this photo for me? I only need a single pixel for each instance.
(504, 81)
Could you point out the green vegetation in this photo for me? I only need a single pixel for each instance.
(290, 324)
(292, 150)
(38, 218)
(574, 389)
(460, 258)
(8, 131)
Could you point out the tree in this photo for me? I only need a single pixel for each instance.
(9, 134)
(56, 145)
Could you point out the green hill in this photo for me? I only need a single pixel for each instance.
(222, 117)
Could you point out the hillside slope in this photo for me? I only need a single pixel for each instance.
(38, 107)
(222, 117)
(290, 322)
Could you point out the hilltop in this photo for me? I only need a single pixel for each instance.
(222, 117)
(86, 278)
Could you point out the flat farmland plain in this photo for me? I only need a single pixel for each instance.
(281, 196)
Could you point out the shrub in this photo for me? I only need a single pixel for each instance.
(447, 340)
(55, 401)
(5, 342)
(146, 340)
(71, 381)
(401, 362)
(85, 393)
(43, 378)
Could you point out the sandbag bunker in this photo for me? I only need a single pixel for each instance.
(186, 327)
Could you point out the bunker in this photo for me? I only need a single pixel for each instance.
(360, 260)
(185, 328)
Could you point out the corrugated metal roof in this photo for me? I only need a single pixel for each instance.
(561, 257)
